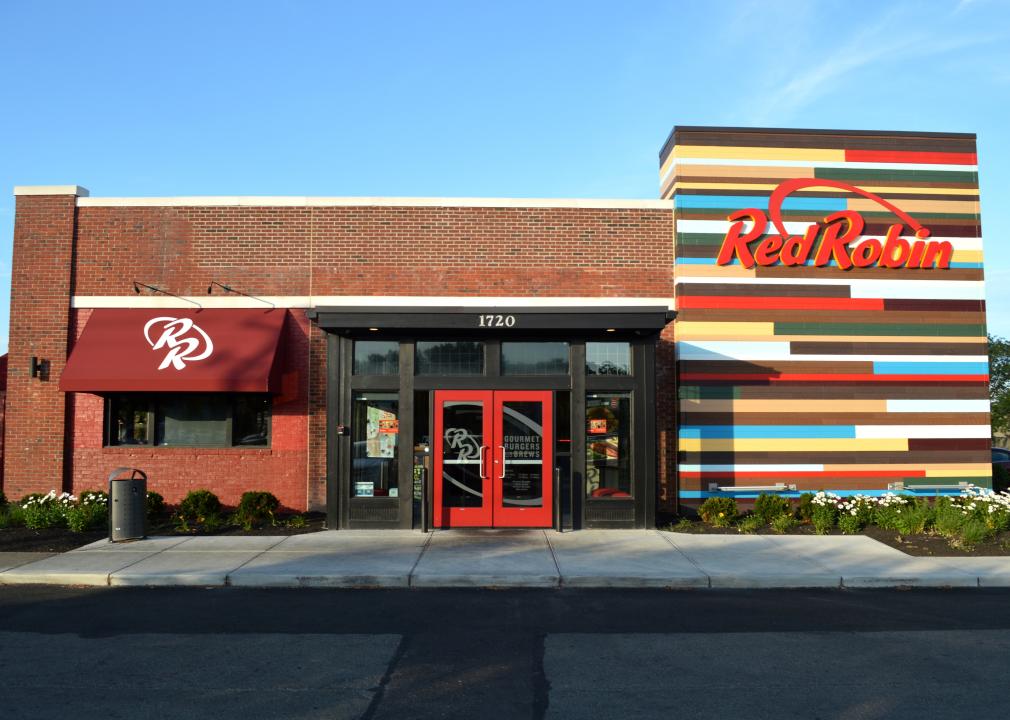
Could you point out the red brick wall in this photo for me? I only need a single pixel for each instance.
(41, 281)
(324, 251)
(378, 250)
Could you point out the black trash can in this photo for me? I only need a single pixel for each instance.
(127, 505)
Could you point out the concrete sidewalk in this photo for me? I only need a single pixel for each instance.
(503, 558)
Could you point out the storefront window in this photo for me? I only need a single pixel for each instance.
(450, 358)
(608, 445)
(608, 358)
(251, 423)
(376, 357)
(130, 425)
(375, 433)
(534, 358)
(189, 419)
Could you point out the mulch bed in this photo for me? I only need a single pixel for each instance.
(936, 546)
(924, 545)
(53, 540)
(57, 540)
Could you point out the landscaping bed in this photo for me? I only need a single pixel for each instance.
(58, 523)
(921, 544)
(976, 523)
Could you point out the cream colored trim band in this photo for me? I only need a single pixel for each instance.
(305, 301)
(249, 201)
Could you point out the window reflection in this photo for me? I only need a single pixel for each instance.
(608, 358)
(376, 357)
(534, 358)
(375, 433)
(608, 445)
(449, 358)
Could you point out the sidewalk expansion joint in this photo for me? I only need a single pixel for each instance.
(424, 548)
(108, 576)
(227, 576)
(554, 557)
(664, 535)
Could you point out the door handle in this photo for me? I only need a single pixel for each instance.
(483, 475)
(502, 476)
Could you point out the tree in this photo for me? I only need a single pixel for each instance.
(999, 383)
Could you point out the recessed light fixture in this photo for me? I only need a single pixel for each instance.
(611, 329)
(374, 329)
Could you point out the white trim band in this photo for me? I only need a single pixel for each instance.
(313, 301)
(296, 201)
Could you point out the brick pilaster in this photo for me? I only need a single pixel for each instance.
(41, 288)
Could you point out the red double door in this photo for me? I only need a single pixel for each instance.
(492, 458)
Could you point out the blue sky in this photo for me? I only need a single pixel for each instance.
(518, 99)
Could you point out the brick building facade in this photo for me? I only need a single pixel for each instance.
(347, 272)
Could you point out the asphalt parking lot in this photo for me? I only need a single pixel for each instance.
(229, 652)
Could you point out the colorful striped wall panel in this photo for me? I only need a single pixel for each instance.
(850, 380)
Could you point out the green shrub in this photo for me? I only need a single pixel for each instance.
(915, 519)
(200, 509)
(855, 513)
(850, 524)
(750, 524)
(949, 519)
(889, 509)
(824, 511)
(91, 497)
(11, 515)
(719, 511)
(767, 507)
(255, 508)
(90, 513)
(91, 516)
(998, 519)
(3, 499)
(155, 505)
(972, 533)
(46, 511)
(784, 523)
(297, 521)
(805, 507)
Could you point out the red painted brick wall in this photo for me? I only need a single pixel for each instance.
(329, 251)
(281, 469)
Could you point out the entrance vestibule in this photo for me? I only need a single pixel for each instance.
(436, 418)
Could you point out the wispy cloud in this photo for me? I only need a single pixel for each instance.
(884, 40)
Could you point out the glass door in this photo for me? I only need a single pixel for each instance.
(462, 451)
(493, 459)
(523, 462)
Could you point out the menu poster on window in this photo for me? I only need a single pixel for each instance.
(608, 449)
(597, 426)
(380, 439)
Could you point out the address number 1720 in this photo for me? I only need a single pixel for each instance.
(488, 321)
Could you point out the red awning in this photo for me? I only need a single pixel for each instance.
(171, 350)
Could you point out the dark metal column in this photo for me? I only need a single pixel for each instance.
(578, 434)
(333, 394)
